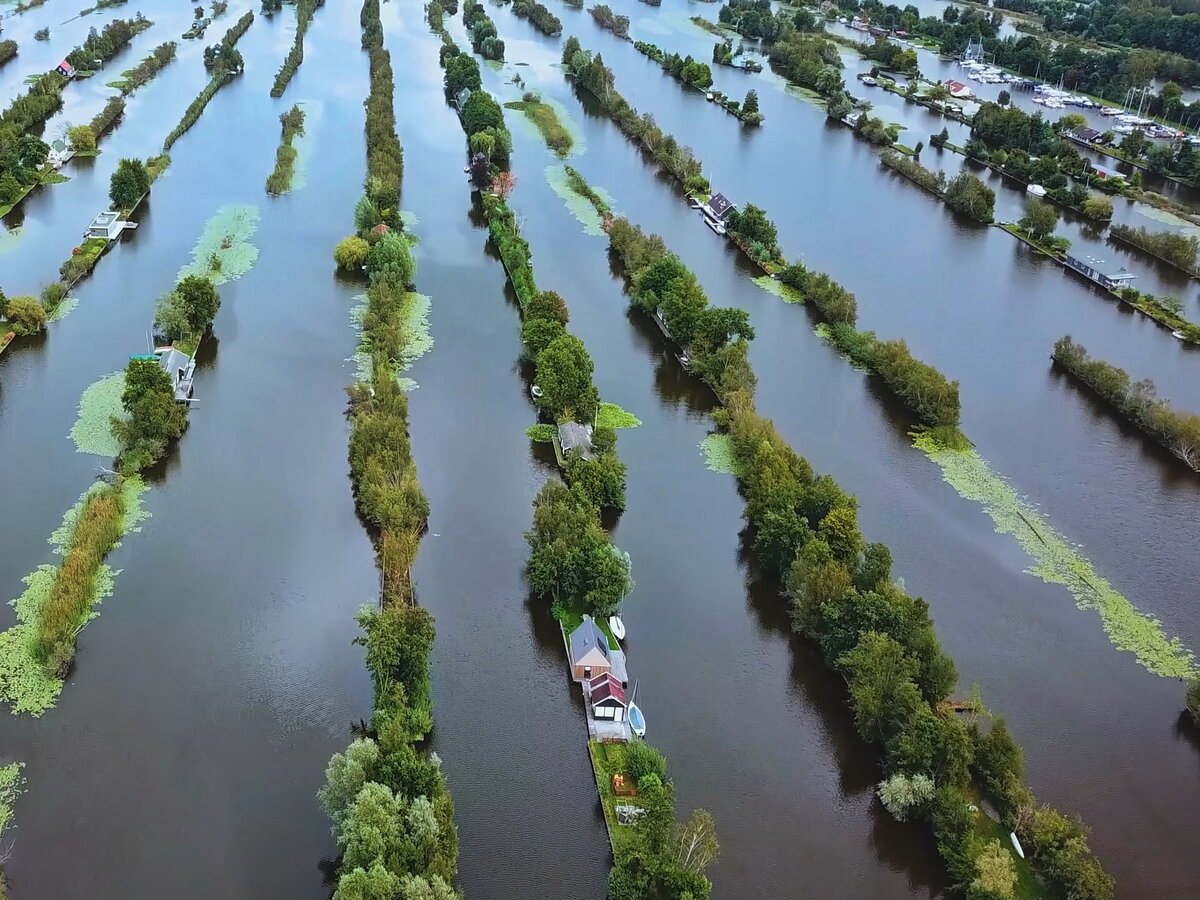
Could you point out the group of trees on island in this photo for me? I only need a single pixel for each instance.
(684, 68)
(541, 18)
(223, 61)
(842, 597)
(305, 10)
(484, 39)
(392, 813)
(610, 21)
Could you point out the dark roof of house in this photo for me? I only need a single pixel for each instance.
(587, 637)
(1085, 134)
(576, 438)
(720, 205)
(605, 687)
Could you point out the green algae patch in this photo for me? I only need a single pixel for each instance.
(303, 144)
(414, 324)
(612, 416)
(577, 205)
(12, 784)
(99, 405)
(1058, 562)
(24, 684)
(65, 307)
(224, 252)
(718, 454)
(778, 288)
(542, 433)
(551, 120)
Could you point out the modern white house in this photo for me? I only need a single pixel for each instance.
(181, 368)
(107, 225)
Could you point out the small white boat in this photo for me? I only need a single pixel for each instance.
(617, 627)
(708, 96)
(637, 721)
(1035, 190)
(1017, 844)
(718, 227)
(1179, 334)
(535, 392)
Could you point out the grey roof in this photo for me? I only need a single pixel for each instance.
(1085, 134)
(180, 367)
(104, 219)
(619, 672)
(587, 637)
(576, 438)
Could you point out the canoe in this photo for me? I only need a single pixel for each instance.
(617, 626)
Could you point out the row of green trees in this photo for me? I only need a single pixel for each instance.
(385, 158)
(1135, 400)
(108, 43)
(22, 154)
(593, 75)
(392, 814)
(134, 78)
(107, 117)
(223, 61)
(1177, 249)
(541, 18)
(843, 598)
(484, 39)
(482, 118)
(603, 16)
(280, 179)
(305, 9)
(682, 68)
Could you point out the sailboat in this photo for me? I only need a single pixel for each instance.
(637, 721)
(617, 627)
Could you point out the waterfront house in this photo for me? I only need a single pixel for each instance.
(717, 208)
(65, 69)
(957, 89)
(1086, 136)
(606, 698)
(590, 654)
(1090, 268)
(576, 439)
(461, 98)
(1107, 174)
(180, 367)
(106, 226)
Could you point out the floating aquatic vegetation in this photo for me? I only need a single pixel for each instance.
(414, 323)
(303, 143)
(409, 218)
(10, 238)
(55, 178)
(224, 252)
(24, 683)
(719, 455)
(612, 416)
(778, 288)
(92, 431)
(1058, 562)
(1166, 217)
(542, 433)
(803, 93)
(12, 783)
(65, 307)
(578, 205)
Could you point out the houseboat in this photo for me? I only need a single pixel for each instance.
(1089, 268)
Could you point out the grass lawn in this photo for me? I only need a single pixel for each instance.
(545, 118)
(608, 760)
(988, 829)
(1020, 233)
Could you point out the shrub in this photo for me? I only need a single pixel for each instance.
(82, 139)
(641, 760)
(902, 794)
(351, 253)
(25, 315)
(1193, 700)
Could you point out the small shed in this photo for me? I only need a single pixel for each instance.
(1107, 174)
(181, 368)
(65, 69)
(461, 98)
(607, 698)
(574, 438)
(107, 226)
(590, 655)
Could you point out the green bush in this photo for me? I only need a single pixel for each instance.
(351, 253)
(641, 760)
(25, 315)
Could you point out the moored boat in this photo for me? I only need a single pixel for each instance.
(617, 627)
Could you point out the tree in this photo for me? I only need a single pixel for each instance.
(345, 776)
(25, 315)
(462, 71)
(376, 883)
(696, 846)
(391, 261)
(564, 373)
(1134, 143)
(997, 876)
(938, 93)
(881, 688)
(129, 183)
(200, 300)
(901, 794)
(750, 104)
(538, 334)
(641, 759)
(939, 140)
(351, 253)
(1039, 220)
(600, 481)
(967, 194)
(480, 112)
(1071, 121)
(1193, 700)
(999, 765)
(1004, 98)
(483, 142)
(504, 184)
(548, 305)
(82, 139)
(838, 105)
